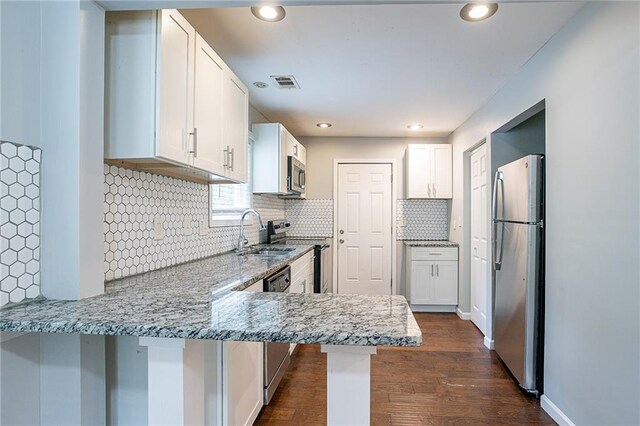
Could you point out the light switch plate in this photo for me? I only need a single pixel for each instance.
(187, 226)
(203, 228)
(158, 228)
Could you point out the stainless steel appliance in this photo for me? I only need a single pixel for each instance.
(296, 176)
(518, 262)
(322, 270)
(276, 355)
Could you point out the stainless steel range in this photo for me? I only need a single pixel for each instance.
(322, 271)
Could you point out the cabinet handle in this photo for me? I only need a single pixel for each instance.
(296, 148)
(431, 270)
(438, 270)
(233, 159)
(434, 189)
(429, 189)
(195, 142)
(226, 157)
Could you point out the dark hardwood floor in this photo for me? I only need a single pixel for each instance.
(451, 379)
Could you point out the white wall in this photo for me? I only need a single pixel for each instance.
(588, 74)
(51, 76)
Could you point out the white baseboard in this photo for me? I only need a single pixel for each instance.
(463, 315)
(555, 413)
(432, 308)
(489, 343)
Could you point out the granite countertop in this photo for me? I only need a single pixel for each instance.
(431, 243)
(199, 300)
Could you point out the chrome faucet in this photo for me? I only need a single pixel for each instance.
(242, 241)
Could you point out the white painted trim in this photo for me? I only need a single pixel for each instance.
(395, 177)
(489, 343)
(463, 315)
(433, 308)
(556, 413)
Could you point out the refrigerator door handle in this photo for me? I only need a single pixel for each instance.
(497, 258)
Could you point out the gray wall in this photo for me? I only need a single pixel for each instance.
(322, 151)
(524, 139)
(588, 76)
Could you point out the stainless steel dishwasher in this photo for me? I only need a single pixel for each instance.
(276, 355)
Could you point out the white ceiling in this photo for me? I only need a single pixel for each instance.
(373, 69)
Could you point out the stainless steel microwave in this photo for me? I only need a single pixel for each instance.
(296, 177)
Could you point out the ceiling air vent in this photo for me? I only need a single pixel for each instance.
(285, 81)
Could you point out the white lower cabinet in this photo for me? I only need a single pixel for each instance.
(301, 279)
(242, 378)
(432, 276)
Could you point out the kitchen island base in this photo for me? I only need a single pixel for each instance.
(348, 384)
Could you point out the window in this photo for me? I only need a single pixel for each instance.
(228, 201)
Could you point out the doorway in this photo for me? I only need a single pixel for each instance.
(364, 219)
(479, 237)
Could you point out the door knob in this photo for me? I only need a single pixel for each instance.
(342, 231)
(341, 241)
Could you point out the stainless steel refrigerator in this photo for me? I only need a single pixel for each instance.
(518, 262)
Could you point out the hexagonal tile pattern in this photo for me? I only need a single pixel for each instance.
(310, 217)
(423, 220)
(20, 222)
(132, 202)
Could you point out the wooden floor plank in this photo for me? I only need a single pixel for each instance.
(452, 379)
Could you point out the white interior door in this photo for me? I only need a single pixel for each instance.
(364, 229)
(479, 238)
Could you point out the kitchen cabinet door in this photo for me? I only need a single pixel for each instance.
(428, 171)
(175, 100)
(235, 125)
(445, 283)
(421, 283)
(418, 173)
(207, 141)
(442, 171)
(310, 276)
(242, 378)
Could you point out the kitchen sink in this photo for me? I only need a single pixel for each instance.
(266, 251)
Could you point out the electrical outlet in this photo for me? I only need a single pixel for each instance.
(203, 226)
(158, 228)
(187, 226)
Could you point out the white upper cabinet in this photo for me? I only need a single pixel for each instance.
(175, 86)
(295, 149)
(273, 144)
(428, 171)
(172, 105)
(209, 78)
(235, 126)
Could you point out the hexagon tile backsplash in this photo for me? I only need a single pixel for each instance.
(20, 222)
(134, 200)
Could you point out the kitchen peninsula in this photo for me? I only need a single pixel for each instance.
(180, 312)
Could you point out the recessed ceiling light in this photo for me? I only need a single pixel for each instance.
(269, 13)
(415, 126)
(260, 84)
(324, 125)
(475, 12)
